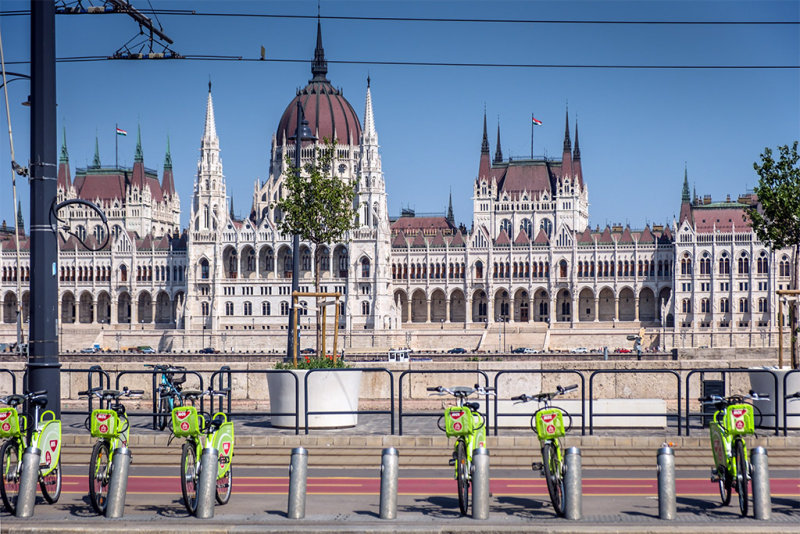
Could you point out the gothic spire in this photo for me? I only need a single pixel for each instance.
(210, 131)
(498, 153)
(64, 158)
(685, 193)
(319, 67)
(567, 143)
(168, 157)
(576, 154)
(450, 217)
(138, 156)
(232, 217)
(20, 220)
(96, 160)
(369, 120)
(485, 143)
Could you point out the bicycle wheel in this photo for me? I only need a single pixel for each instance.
(741, 475)
(462, 477)
(9, 489)
(552, 473)
(50, 484)
(724, 485)
(164, 411)
(224, 485)
(99, 476)
(189, 476)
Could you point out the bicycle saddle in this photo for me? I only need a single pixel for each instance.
(14, 400)
(109, 394)
(41, 400)
(474, 406)
(192, 393)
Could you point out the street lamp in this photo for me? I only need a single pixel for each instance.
(301, 133)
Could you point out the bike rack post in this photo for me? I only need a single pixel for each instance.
(298, 471)
(207, 483)
(389, 463)
(666, 483)
(26, 499)
(480, 483)
(118, 487)
(762, 504)
(573, 482)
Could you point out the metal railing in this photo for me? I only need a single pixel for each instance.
(156, 385)
(13, 380)
(91, 372)
(498, 415)
(787, 402)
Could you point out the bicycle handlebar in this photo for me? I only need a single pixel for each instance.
(101, 393)
(793, 396)
(732, 399)
(463, 391)
(560, 390)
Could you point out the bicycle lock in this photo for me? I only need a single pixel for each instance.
(207, 483)
(666, 483)
(480, 483)
(389, 464)
(762, 504)
(29, 478)
(298, 471)
(573, 484)
(118, 486)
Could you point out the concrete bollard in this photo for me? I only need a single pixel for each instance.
(480, 483)
(298, 473)
(666, 483)
(29, 478)
(389, 467)
(573, 484)
(118, 486)
(207, 483)
(762, 503)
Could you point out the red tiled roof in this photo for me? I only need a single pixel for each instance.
(646, 237)
(541, 238)
(533, 178)
(626, 238)
(438, 240)
(102, 186)
(458, 240)
(522, 238)
(422, 223)
(605, 237)
(720, 219)
(502, 239)
(419, 240)
(586, 236)
(400, 240)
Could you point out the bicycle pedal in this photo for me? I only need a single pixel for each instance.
(452, 461)
(537, 466)
(715, 478)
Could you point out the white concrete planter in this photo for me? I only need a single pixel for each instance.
(329, 391)
(763, 383)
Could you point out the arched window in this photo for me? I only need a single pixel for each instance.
(686, 264)
(686, 306)
(265, 308)
(365, 308)
(562, 268)
(365, 267)
(705, 306)
(204, 307)
(724, 305)
(479, 269)
(229, 308)
(744, 305)
(506, 225)
(762, 264)
(547, 226)
(724, 264)
(743, 264)
(248, 308)
(305, 261)
(204, 271)
(784, 267)
(762, 305)
(284, 308)
(527, 227)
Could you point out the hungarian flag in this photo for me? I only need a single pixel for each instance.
(536, 121)
(120, 131)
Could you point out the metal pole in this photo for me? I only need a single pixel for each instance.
(118, 487)
(480, 483)
(26, 499)
(335, 329)
(207, 483)
(298, 472)
(298, 146)
(294, 334)
(666, 483)
(762, 503)
(573, 484)
(389, 464)
(43, 364)
(324, 324)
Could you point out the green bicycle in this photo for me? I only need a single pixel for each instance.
(111, 428)
(732, 467)
(46, 437)
(203, 432)
(548, 423)
(465, 423)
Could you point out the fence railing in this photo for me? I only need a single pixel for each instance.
(787, 402)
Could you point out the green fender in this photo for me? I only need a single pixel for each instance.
(223, 442)
(50, 445)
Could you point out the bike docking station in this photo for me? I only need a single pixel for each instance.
(480, 483)
(762, 503)
(207, 483)
(118, 486)
(28, 481)
(389, 471)
(666, 482)
(298, 474)
(573, 484)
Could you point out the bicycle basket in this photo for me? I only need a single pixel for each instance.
(9, 422)
(458, 421)
(185, 421)
(739, 419)
(105, 424)
(550, 423)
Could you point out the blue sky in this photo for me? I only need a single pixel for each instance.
(637, 127)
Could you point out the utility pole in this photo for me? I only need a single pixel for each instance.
(43, 365)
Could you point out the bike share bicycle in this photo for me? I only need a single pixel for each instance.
(167, 394)
(548, 423)
(465, 423)
(111, 428)
(203, 432)
(732, 466)
(46, 437)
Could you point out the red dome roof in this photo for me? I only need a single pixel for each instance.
(325, 108)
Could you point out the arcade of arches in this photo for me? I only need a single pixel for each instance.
(143, 308)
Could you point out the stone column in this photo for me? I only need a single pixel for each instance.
(409, 310)
(596, 309)
(616, 307)
(552, 311)
(446, 309)
(427, 310)
(636, 308)
(468, 311)
(510, 308)
(113, 314)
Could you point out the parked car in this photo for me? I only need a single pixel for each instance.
(147, 350)
(580, 350)
(519, 350)
(89, 350)
(532, 351)
(457, 350)
(308, 351)
(623, 351)
(207, 350)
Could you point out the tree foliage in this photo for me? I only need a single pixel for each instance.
(776, 219)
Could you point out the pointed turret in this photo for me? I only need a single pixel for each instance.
(138, 156)
(566, 160)
(210, 130)
(685, 193)
(96, 160)
(686, 200)
(137, 176)
(576, 156)
(231, 213)
(369, 134)
(20, 220)
(319, 67)
(64, 179)
(483, 168)
(167, 182)
(498, 153)
(450, 217)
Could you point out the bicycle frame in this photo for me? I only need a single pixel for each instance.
(220, 439)
(46, 436)
(722, 440)
(474, 439)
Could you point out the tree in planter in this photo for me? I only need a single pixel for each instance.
(317, 206)
(776, 217)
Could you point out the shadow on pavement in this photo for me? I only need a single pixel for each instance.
(176, 511)
(522, 507)
(441, 507)
(82, 510)
(367, 513)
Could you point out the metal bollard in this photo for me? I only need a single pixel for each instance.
(573, 484)
(666, 483)
(118, 487)
(480, 483)
(207, 483)
(762, 503)
(29, 478)
(389, 463)
(298, 472)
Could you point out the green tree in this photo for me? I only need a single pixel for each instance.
(317, 205)
(776, 217)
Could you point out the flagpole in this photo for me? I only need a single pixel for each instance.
(116, 146)
(532, 125)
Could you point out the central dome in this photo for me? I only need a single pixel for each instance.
(325, 108)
